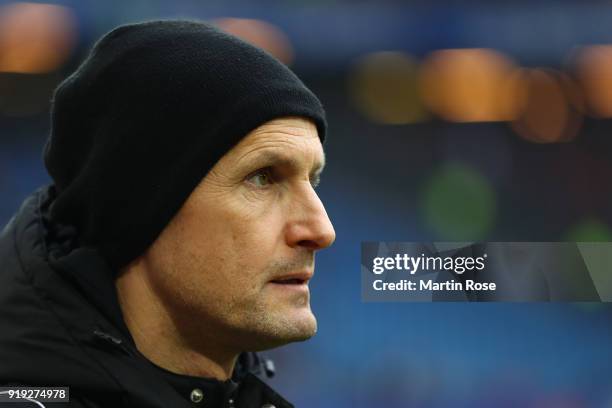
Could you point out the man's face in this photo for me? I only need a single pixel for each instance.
(232, 267)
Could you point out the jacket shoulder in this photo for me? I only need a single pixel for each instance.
(34, 342)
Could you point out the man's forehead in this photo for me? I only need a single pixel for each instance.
(285, 141)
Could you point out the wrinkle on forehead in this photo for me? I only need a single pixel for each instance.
(290, 134)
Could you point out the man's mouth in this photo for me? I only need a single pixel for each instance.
(289, 281)
(297, 279)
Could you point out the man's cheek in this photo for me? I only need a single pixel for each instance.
(253, 213)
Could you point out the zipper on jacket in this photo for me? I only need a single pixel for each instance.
(111, 340)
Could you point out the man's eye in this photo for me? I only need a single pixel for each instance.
(261, 178)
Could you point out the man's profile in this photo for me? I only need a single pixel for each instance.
(179, 233)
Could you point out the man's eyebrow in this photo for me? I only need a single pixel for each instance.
(269, 158)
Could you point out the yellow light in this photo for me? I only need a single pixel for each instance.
(594, 71)
(471, 85)
(383, 88)
(552, 112)
(35, 38)
(261, 34)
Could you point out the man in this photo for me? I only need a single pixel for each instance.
(179, 234)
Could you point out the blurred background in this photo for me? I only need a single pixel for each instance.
(470, 120)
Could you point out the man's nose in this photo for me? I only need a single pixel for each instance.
(309, 226)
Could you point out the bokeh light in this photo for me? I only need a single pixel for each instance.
(261, 34)
(35, 38)
(593, 66)
(383, 87)
(459, 204)
(553, 109)
(590, 230)
(471, 85)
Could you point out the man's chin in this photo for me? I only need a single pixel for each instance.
(285, 330)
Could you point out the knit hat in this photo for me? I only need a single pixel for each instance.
(145, 117)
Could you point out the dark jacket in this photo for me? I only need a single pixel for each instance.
(61, 325)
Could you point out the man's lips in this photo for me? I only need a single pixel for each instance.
(299, 278)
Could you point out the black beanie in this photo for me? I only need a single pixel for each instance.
(145, 117)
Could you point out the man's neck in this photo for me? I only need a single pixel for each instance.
(157, 336)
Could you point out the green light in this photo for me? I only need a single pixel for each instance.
(590, 230)
(458, 204)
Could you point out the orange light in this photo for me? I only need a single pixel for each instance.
(594, 71)
(35, 38)
(552, 112)
(383, 87)
(261, 34)
(471, 85)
